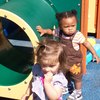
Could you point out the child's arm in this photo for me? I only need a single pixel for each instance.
(53, 92)
(91, 49)
(28, 91)
(44, 31)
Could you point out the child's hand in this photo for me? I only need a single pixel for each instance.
(40, 30)
(24, 97)
(48, 77)
(97, 58)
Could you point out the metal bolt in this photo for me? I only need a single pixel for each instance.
(5, 16)
(24, 28)
(25, 82)
(7, 0)
(51, 4)
(9, 89)
(79, 4)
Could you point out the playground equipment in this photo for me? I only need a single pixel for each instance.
(96, 46)
(92, 41)
(89, 55)
(19, 19)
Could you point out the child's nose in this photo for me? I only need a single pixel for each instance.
(70, 28)
(46, 69)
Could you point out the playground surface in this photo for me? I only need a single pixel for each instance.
(91, 82)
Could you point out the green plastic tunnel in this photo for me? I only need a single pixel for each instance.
(19, 36)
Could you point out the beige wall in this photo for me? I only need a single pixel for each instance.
(91, 16)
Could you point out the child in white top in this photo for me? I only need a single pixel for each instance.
(49, 82)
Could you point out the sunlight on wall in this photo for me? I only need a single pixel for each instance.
(91, 16)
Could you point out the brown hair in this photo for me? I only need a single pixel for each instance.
(50, 52)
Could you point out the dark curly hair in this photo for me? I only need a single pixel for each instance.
(67, 14)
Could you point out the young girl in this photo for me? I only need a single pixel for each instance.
(72, 38)
(49, 82)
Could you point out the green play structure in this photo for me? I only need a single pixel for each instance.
(19, 20)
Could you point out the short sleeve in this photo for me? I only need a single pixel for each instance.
(79, 38)
(60, 81)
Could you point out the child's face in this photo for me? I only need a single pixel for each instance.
(50, 68)
(68, 25)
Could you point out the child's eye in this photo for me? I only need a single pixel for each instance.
(52, 65)
(73, 25)
(66, 26)
(43, 66)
